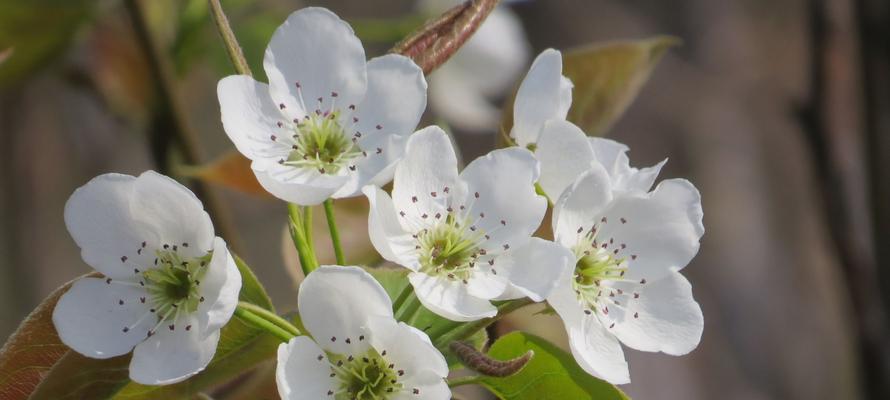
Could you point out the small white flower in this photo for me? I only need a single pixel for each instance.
(328, 122)
(169, 284)
(463, 89)
(467, 238)
(360, 352)
(565, 152)
(629, 245)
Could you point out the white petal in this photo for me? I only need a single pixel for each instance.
(429, 385)
(581, 205)
(250, 118)
(299, 186)
(565, 153)
(98, 217)
(335, 302)
(171, 356)
(667, 317)
(429, 166)
(173, 212)
(386, 233)
(90, 319)
(450, 299)
(388, 114)
(219, 286)
(505, 182)
(300, 375)
(375, 169)
(628, 178)
(661, 230)
(543, 95)
(318, 50)
(411, 351)
(607, 151)
(535, 268)
(484, 284)
(407, 347)
(595, 349)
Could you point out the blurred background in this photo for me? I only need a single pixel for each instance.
(778, 111)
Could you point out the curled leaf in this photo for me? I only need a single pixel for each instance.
(482, 363)
(607, 78)
(231, 170)
(437, 40)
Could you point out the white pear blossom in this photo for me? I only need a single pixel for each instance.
(466, 237)
(463, 90)
(565, 152)
(629, 245)
(328, 122)
(359, 351)
(169, 285)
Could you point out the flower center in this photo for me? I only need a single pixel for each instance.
(368, 377)
(448, 249)
(174, 282)
(594, 266)
(321, 143)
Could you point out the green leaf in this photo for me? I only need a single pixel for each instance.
(38, 30)
(551, 373)
(607, 78)
(36, 365)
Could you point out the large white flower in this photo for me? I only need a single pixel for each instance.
(360, 352)
(463, 89)
(629, 245)
(328, 122)
(169, 284)
(539, 122)
(467, 238)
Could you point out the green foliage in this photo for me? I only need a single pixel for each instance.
(38, 30)
(35, 364)
(551, 373)
(607, 77)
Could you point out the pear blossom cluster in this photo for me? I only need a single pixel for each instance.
(331, 124)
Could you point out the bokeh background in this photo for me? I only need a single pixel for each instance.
(778, 111)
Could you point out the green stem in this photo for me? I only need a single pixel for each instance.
(464, 380)
(270, 316)
(307, 231)
(411, 308)
(403, 295)
(225, 32)
(261, 322)
(464, 331)
(335, 235)
(298, 235)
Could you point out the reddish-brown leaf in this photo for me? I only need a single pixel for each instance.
(437, 40)
(31, 351)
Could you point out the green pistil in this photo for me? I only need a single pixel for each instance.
(173, 283)
(367, 377)
(595, 265)
(449, 249)
(321, 143)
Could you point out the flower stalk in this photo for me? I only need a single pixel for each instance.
(298, 233)
(270, 316)
(233, 49)
(335, 235)
(462, 331)
(263, 323)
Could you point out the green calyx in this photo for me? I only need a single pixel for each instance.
(174, 283)
(367, 377)
(449, 249)
(322, 144)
